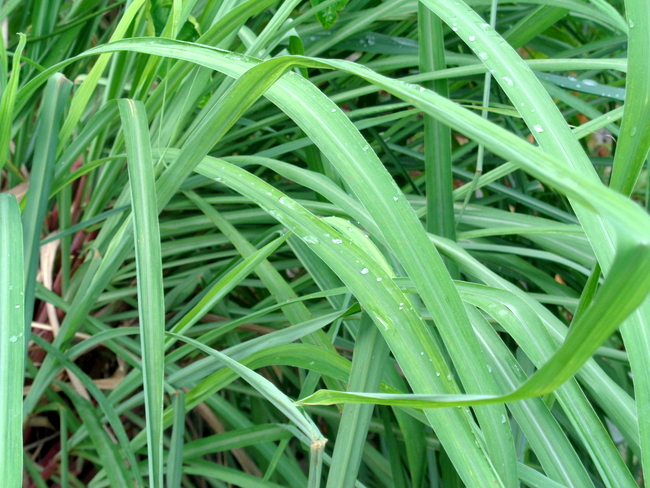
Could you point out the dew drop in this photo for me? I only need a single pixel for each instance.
(630, 22)
(449, 376)
(471, 38)
(382, 322)
(538, 128)
(633, 130)
(378, 279)
(310, 239)
(573, 78)
(437, 374)
(17, 306)
(455, 29)
(590, 82)
(337, 241)
(503, 419)
(422, 353)
(484, 55)
(13, 338)
(364, 271)
(489, 368)
(508, 81)
(395, 198)
(333, 110)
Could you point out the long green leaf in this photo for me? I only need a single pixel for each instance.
(150, 283)
(12, 341)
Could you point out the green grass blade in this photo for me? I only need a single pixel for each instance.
(150, 281)
(56, 98)
(370, 354)
(8, 101)
(12, 341)
(632, 147)
(437, 149)
(84, 92)
(177, 447)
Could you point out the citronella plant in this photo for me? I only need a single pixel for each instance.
(333, 243)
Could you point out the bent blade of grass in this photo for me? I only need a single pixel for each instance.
(151, 304)
(626, 220)
(12, 341)
(399, 322)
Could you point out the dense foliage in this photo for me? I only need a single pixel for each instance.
(364, 243)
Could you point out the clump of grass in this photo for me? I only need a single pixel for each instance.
(286, 243)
